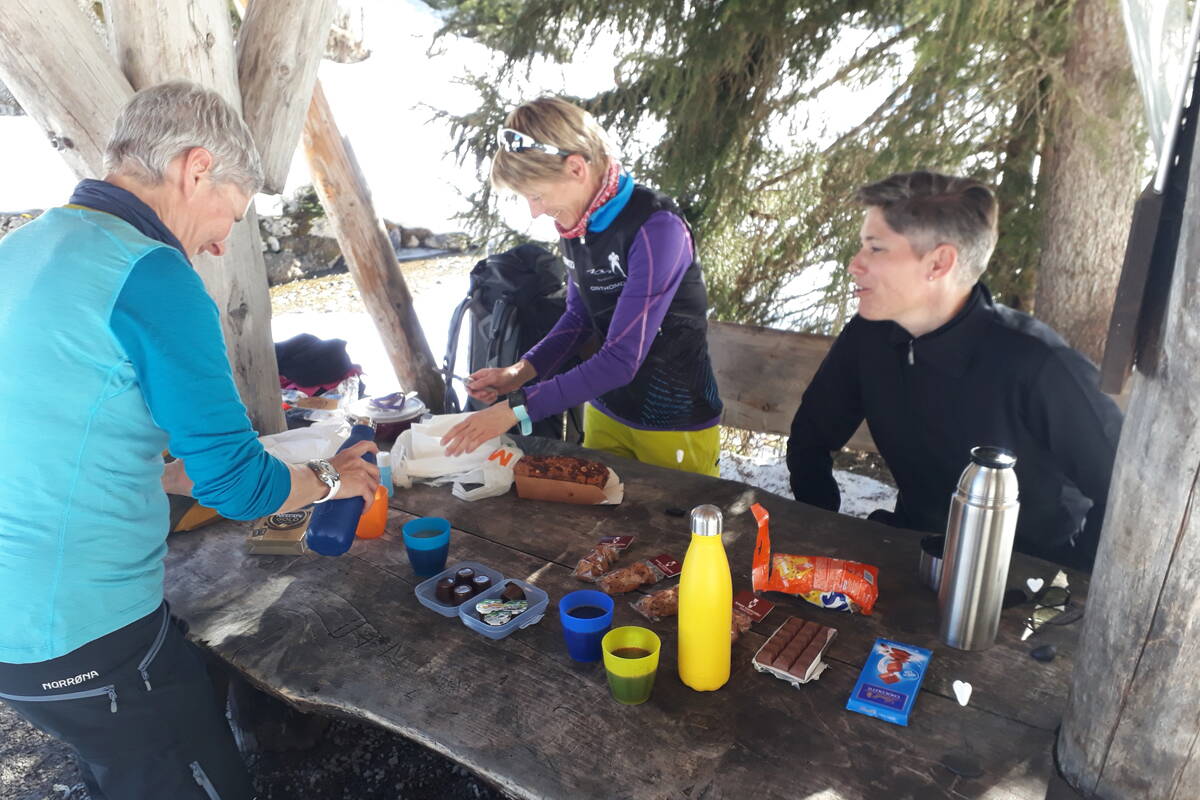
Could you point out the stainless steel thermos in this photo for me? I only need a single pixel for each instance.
(979, 542)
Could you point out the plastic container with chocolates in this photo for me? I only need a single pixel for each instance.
(438, 592)
(507, 606)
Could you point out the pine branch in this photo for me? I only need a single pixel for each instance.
(859, 61)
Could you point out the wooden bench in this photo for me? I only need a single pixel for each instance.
(762, 374)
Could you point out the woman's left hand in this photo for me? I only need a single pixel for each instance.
(478, 428)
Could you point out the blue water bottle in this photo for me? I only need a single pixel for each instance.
(331, 531)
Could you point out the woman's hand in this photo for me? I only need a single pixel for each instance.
(175, 479)
(476, 429)
(359, 477)
(490, 383)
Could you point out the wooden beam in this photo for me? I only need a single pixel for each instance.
(194, 41)
(188, 40)
(763, 372)
(368, 253)
(279, 49)
(56, 67)
(1130, 729)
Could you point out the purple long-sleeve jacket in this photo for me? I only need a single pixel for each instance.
(658, 258)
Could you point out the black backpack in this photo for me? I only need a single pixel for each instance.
(514, 300)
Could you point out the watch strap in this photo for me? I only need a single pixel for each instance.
(328, 476)
(516, 402)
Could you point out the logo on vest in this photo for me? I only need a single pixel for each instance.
(614, 264)
(78, 679)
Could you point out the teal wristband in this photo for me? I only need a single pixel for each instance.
(523, 418)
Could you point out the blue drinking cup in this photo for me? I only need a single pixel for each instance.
(586, 615)
(427, 540)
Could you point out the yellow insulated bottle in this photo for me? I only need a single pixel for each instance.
(705, 605)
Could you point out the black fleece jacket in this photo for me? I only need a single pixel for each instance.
(990, 376)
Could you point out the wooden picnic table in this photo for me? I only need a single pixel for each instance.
(347, 636)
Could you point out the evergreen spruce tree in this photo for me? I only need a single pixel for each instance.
(729, 83)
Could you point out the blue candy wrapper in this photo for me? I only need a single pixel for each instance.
(888, 684)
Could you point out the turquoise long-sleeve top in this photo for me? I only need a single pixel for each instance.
(112, 352)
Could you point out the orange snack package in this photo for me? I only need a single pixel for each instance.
(825, 582)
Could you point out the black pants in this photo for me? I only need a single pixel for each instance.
(139, 710)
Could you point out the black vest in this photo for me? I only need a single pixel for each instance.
(675, 388)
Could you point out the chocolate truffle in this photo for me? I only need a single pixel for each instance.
(461, 593)
(513, 592)
(464, 576)
(444, 591)
(481, 582)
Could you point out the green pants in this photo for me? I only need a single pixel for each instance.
(692, 451)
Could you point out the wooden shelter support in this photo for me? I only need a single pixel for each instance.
(57, 69)
(194, 40)
(1131, 729)
(368, 252)
(278, 53)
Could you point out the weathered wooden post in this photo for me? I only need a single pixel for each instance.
(278, 53)
(1133, 717)
(42, 45)
(369, 254)
(194, 40)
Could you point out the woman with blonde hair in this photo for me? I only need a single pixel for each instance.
(635, 284)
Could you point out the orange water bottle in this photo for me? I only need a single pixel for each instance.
(705, 605)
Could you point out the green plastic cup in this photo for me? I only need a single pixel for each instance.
(631, 661)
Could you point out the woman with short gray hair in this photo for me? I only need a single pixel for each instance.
(113, 348)
(163, 121)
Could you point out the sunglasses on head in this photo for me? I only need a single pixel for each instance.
(516, 142)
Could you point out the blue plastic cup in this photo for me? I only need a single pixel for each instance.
(586, 615)
(427, 540)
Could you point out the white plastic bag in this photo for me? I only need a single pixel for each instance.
(418, 455)
(320, 440)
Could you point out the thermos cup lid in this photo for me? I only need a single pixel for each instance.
(706, 520)
(995, 457)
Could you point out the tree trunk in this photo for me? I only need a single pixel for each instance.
(155, 43)
(43, 44)
(1012, 269)
(1131, 725)
(1092, 171)
(191, 40)
(279, 49)
(369, 254)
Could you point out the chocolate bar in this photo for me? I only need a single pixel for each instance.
(793, 653)
(889, 682)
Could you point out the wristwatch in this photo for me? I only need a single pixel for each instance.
(516, 402)
(327, 475)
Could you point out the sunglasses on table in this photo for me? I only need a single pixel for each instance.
(1051, 606)
(516, 142)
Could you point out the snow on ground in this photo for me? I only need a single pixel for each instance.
(768, 471)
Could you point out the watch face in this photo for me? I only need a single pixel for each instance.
(325, 471)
